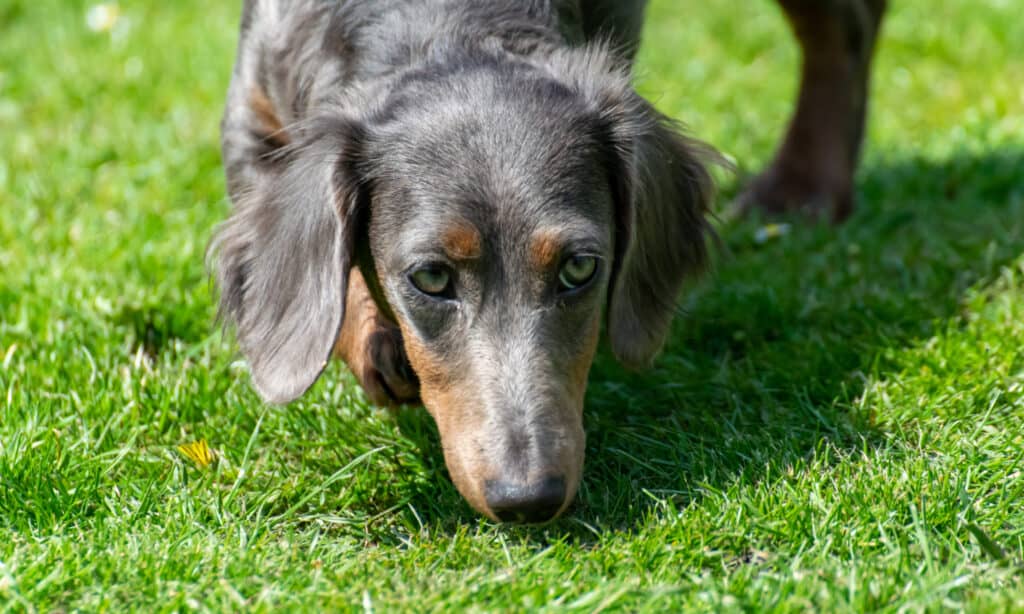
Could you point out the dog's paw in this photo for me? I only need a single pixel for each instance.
(375, 354)
(372, 347)
(387, 377)
(813, 194)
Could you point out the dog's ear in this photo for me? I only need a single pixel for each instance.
(662, 191)
(283, 259)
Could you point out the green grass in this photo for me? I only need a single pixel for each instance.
(836, 424)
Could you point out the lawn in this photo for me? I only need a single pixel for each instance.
(837, 422)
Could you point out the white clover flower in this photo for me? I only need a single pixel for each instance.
(771, 231)
(102, 17)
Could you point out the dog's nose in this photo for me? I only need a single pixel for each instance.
(536, 502)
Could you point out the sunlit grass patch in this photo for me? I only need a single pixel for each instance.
(835, 425)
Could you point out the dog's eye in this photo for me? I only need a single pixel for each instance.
(432, 280)
(577, 271)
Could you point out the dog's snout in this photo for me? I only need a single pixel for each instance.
(539, 501)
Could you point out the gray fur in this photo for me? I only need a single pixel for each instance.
(396, 115)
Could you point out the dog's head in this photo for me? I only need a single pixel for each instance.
(496, 209)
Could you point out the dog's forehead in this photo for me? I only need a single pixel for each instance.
(504, 159)
(502, 133)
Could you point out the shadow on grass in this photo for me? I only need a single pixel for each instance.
(765, 366)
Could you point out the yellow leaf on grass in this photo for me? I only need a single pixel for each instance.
(198, 452)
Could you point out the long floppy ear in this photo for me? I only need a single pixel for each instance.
(662, 191)
(283, 259)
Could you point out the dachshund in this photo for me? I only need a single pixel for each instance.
(456, 197)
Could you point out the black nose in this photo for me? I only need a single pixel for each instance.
(536, 502)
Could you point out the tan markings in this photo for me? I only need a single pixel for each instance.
(579, 371)
(545, 249)
(461, 241)
(270, 127)
(363, 329)
(452, 394)
(454, 405)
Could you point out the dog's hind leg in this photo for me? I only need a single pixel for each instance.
(813, 169)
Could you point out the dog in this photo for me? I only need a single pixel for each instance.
(455, 197)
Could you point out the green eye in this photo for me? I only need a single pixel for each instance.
(432, 280)
(577, 271)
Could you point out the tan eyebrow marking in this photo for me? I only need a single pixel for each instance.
(545, 248)
(461, 241)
